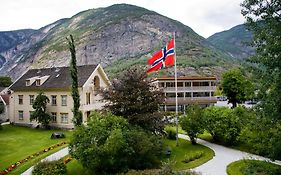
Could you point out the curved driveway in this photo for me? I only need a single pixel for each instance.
(223, 157)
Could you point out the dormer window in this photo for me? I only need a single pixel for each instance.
(38, 82)
(27, 82)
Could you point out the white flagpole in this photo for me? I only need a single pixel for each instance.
(176, 88)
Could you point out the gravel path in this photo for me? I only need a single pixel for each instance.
(223, 157)
(57, 155)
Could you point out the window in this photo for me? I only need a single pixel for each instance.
(161, 84)
(170, 84)
(187, 84)
(20, 99)
(27, 82)
(170, 94)
(88, 98)
(31, 99)
(180, 94)
(20, 115)
(38, 82)
(180, 84)
(213, 83)
(54, 100)
(188, 94)
(64, 117)
(54, 117)
(204, 83)
(64, 100)
(201, 94)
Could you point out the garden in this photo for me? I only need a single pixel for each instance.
(22, 147)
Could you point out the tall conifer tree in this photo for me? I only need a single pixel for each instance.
(77, 120)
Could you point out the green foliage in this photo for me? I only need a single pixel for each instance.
(50, 168)
(224, 124)
(5, 81)
(264, 136)
(165, 170)
(235, 86)
(263, 19)
(171, 133)
(192, 157)
(132, 98)
(108, 144)
(192, 122)
(77, 115)
(253, 167)
(40, 114)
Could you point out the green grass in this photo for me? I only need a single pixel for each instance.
(185, 149)
(256, 167)
(17, 143)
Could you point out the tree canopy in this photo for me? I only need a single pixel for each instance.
(235, 86)
(132, 97)
(39, 105)
(5, 81)
(264, 19)
(110, 145)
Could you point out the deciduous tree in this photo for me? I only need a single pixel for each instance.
(192, 122)
(132, 97)
(234, 86)
(40, 114)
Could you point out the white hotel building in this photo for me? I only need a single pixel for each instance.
(191, 90)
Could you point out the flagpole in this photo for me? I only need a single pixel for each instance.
(176, 88)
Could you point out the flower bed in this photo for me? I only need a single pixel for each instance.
(18, 163)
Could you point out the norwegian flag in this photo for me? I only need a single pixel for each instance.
(162, 58)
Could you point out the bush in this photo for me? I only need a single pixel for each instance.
(192, 122)
(170, 133)
(109, 145)
(50, 168)
(260, 168)
(192, 157)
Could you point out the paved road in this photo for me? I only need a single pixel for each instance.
(223, 157)
(56, 156)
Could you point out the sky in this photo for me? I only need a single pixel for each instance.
(205, 17)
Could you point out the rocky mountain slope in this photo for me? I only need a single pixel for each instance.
(235, 41)
(118, 37)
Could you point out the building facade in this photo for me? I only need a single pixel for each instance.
(190, 90)
(55, 83)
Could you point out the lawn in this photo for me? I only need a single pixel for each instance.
(17, 143)
(245, 167)
(186, 149)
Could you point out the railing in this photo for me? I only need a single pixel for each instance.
(188, 100)
(96, 103)
(194, 88)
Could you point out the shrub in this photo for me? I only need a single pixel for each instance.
(192, 157)
(170, 133)
(50, 168)
(109, 145)
(261, 167)
(192, 122)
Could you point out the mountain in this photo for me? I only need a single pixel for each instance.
(118, 37)
(235, 41)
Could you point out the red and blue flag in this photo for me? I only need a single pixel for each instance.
(162, 58)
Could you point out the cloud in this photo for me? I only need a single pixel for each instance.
(204, 16)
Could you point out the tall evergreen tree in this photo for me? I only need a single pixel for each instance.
(77, 115)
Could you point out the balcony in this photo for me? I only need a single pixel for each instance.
(191, 100)
(189, 89)
(96, 103)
